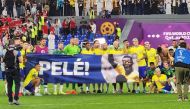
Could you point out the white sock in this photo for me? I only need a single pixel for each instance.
(6, 88)
(39, 89)
(55, 88)
(138, 88)
(36, 89)
(21, 87)
(173, 86)
(61, 88)
(45, 89)
(87, 88)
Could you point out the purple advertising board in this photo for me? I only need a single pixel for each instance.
(164, 33)
(107, 26)
(160, 32)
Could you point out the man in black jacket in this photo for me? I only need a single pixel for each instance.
(10, 4)
(19, 4)
(12, 58)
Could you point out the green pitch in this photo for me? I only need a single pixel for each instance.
(96, 101)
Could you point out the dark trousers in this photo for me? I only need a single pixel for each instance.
(18, 9)
(182, 78)
(10, 10)
(33, 41)
(60, 11)
(124, 9)
(80, 10)
(13, 75)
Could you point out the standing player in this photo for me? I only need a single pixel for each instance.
(117, 51)
(139, 50)
(87, 50)
(97, 51)
(42, 49)
(151, 54)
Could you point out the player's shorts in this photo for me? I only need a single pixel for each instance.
(3, 76)
(167, 87)
(22, 73)
(30, 87)
(142, 72)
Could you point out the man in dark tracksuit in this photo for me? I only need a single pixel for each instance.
(182, 61)
(12, 58)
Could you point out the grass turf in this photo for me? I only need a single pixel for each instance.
(97, 101)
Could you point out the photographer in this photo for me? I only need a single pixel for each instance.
(12, 58)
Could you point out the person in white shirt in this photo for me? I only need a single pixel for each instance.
(188, 5)
(93, 30)
(87, 11)
(51, 42)
(99, 6)
(76, 8)
(109, 5)
(168, 4)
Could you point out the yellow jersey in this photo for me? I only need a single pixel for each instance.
(72, 3)
(151, 56)
(31, 75)
(97, 51)
(156, 79)
(116, 51)
(126, 50)
(23, 54)
(105, 51)
(85, 51)
(139, 51)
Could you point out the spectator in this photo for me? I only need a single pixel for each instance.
(72, 7)
(92, 30)
(59, 7)
(51, 42)
(81, 6)
(10, 4)
(161, 8)
(27, 6)
(19, 7)
(73, 26)
(65, 27)
(56, 26)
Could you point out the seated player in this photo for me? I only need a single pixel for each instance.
(159, 82)
(32, 81)
(169, 72)
(149, 73)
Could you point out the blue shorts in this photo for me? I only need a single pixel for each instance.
(3, 76)
(142, 72)
(22, 73)
(167, 87)
(30, 87)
